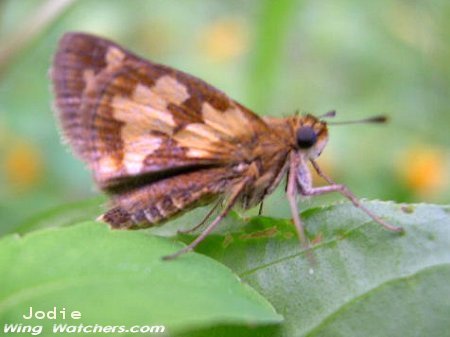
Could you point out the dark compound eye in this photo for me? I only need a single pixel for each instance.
(306, 137)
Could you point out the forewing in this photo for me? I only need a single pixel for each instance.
(128, 117)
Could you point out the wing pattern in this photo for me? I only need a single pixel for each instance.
(128, 117)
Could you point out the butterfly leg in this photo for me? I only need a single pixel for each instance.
(342, 189)
(208, 215)
(235, 193)
(292, 192)
(261, 205)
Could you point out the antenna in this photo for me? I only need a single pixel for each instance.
(375, 120)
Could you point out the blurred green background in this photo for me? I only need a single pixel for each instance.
(276, 57)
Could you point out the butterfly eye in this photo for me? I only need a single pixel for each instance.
(306, 137)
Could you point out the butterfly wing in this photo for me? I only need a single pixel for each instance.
(130, 118)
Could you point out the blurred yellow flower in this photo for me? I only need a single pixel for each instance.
(23, 166)
(224, 40)
(425, 170)
(412, 25)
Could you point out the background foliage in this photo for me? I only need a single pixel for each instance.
(276, 57)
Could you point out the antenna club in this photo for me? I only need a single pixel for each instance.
(380, 119)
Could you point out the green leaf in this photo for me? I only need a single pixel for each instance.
(118, 278)
(64, 215)
(365, 281)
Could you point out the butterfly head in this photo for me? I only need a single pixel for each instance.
(311, 135)
(311, 132)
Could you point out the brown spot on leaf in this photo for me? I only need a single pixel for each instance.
(266, 233)
(317, 239)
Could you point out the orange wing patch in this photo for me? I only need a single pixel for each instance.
(114, 58)
(145, 113)
(232, 123)
(221, 134)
